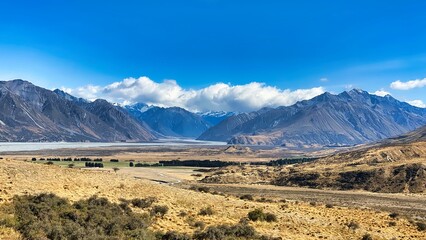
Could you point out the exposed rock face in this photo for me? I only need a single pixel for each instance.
(353, 117)
(31, 113)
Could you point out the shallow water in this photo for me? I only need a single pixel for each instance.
(34, 146)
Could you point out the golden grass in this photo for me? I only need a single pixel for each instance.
(295, 220)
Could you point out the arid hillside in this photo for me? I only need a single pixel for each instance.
(187, 208)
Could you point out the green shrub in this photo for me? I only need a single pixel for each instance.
(238, 231)
(46, 216)
(256, 215)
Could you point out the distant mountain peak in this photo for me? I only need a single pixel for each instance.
(351, 117)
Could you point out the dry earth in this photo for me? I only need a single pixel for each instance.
(295, 220)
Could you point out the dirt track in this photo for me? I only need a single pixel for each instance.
(410, 205)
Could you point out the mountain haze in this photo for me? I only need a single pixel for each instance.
(352, 117)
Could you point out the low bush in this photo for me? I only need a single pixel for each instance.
(238, 231)
(247, 197)
(159, 210)
(206, 211)
(421, 226)
(46, 216)
(199, 224)
(352, 225)
(259, 215)
(173, 235)
(143, 202)
(367, 236)
(393, 215)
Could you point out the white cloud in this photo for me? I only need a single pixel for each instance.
(381, 93)
(217, 97)
(417, 103)
(418, 83)
(323, 79)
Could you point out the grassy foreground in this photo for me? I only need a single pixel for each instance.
(189, 212)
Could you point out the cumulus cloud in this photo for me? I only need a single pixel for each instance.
(216, 97)
(418, 83)
(381, 93)
(417, 103)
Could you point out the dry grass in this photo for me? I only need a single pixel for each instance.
(295, 221)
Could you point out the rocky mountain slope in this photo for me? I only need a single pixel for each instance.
(173, 121)
(349, 118)
(31, 113)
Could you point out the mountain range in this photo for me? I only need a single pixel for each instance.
(349, 118)
(32, 113)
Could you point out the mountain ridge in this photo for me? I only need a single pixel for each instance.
(349, 118)
(32, 113)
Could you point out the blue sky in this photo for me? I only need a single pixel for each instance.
(284, 44)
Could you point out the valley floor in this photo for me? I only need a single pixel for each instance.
(296, 219)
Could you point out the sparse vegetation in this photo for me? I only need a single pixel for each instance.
(247, 197)
(143, 202)
(173, 235)
(159, 210)
(206, 211)
(46, 216)
(421, 226)
(238, 231)
(259, 215)
(352, 225)
(367, 236)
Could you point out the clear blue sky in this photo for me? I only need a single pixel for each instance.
(287, 44)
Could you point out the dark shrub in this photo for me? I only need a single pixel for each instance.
(392, 224)
(329, 205)
(247, 197)
(143, 202)
(352, 225)
(238, 231)
(270, 217)
(206, 211)
(159, 210)
(367, 236)
(394, 215)
(33, 159)
(131, 164)
(256, 215)
(172, 235)
(114, 160)
(421, 226)
(49, 163)
(199, 224)
(204, 189)
(46, 216)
